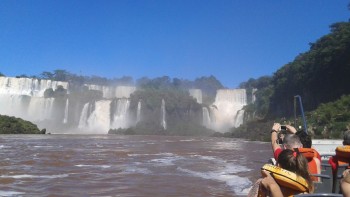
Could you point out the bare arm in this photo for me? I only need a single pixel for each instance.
(291, 129)
(274, 136)
(345, 183)
(270, 184)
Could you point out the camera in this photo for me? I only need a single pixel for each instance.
(283, 127)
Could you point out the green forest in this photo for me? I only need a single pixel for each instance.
(12, 125)
(320, 76)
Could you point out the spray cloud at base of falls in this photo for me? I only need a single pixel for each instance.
(97, 109)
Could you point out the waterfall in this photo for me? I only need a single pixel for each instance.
(65, 119)
(124, 91)
(196, 94)
(40, 108)
(23, 97)
(14, 105)
(228, 103)
(98, 120)
(163, 113)
(84, 116)
(121, 114)
(206, 117)
(239, 118)
(254, 95)
(138, 113)
(109, 92)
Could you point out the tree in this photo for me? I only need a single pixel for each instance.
(61, 75)
(47, 75)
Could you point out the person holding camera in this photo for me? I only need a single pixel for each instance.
(292, 141)
(283, 134)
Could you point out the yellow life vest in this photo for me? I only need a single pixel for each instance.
(290, 182)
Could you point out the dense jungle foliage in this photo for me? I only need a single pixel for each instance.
(320, 76)
(12, 125)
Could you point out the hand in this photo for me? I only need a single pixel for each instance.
(276, 127)
(291, 129)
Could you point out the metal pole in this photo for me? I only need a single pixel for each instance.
(302, 112)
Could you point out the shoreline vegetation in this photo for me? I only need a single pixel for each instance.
(13, 125)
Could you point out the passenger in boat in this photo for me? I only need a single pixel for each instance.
(289, 141)
(289, 160)
(333, 161)
(269, 183)
(295, 162)
(345, 183)
(306, 140)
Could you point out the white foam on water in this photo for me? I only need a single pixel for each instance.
(136, 170)
(156, 154)
(166, 161)
(10, 193)
(188, 140)
(42, 146)
(205, 157)
(24, 176)
(98, 166)
(240, 185)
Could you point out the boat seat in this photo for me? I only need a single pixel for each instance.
(324, 185)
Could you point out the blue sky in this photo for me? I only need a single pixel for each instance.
(234, 40)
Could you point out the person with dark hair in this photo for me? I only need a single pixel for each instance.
(290, 160)
(305, 139)
(291, 141)
(295, 162)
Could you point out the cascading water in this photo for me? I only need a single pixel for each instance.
(121, 114)
(197, 94)
(98, 120)
(206, 117)
(40, 108)
(65, 119)
(227, 104)
(28, 86)
(124, 91)
(109, 92)
(24, 97)
(163, 114)
(84, 116)
(14, 105)
(138, 113)
(239, 118)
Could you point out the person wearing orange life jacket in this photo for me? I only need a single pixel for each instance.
(291, 141)
(335, 160)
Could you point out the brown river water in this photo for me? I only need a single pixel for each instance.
(111, 165)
